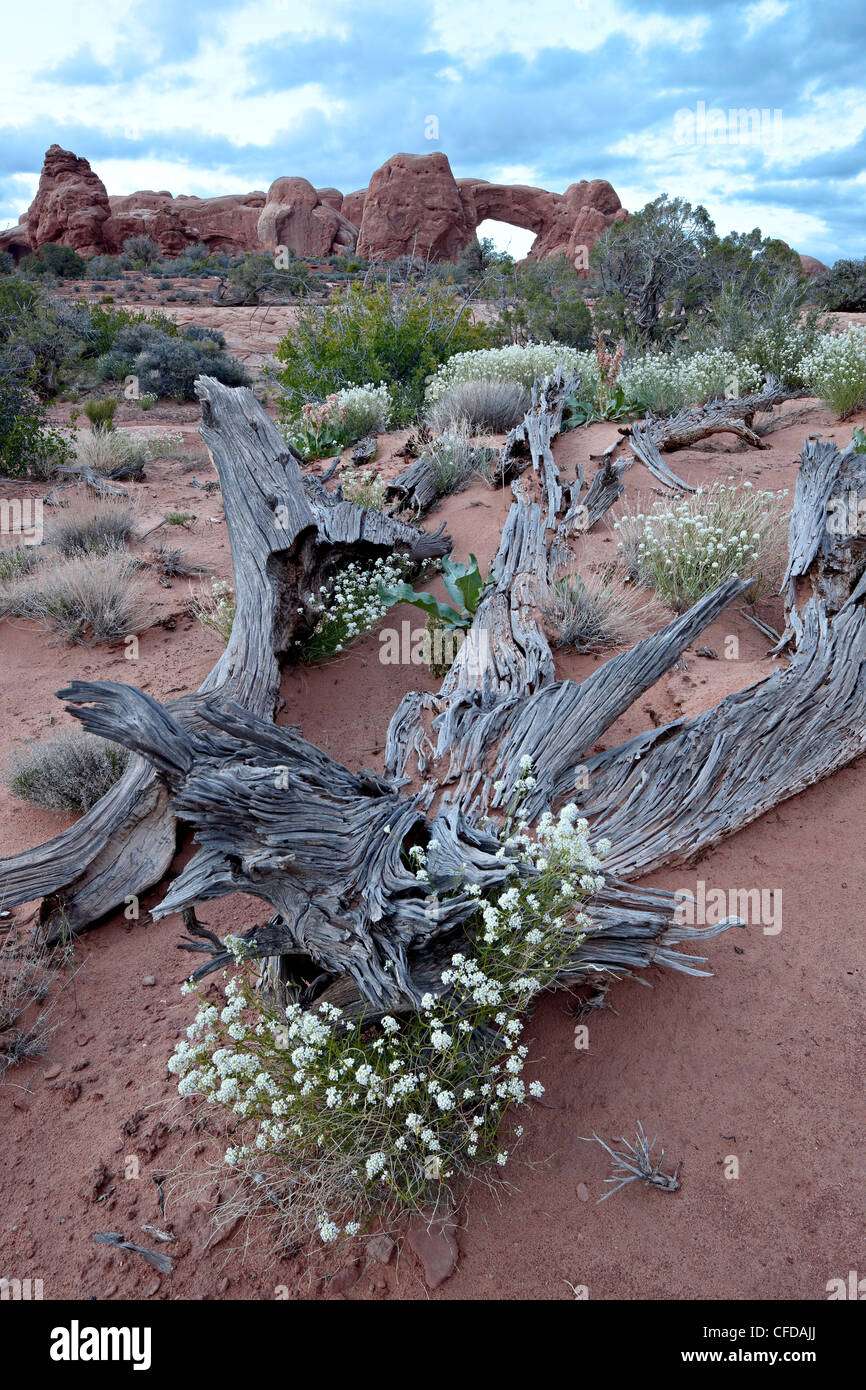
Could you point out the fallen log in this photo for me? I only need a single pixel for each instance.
(276, 817)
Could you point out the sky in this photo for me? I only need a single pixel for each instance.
(215, 96)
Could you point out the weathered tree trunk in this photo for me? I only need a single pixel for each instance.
(276, 817)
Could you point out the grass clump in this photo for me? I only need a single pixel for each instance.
(102, 412)
(92, 526)
(106, 451)
(487, 406)
(686, 550)
(69, 772)
(94, 598)
(355, 1121)
(594, 613)
(17, 562)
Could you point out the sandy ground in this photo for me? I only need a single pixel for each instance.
(761, 1063)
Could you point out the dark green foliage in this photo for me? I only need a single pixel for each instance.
(842, 287)
(51, 259)
(169, 367)
(253, 278)
(376, 335)
(142, 250)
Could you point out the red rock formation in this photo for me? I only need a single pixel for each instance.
(812, 266)
(353, 206)
(296, 217)
(70, 206)
(413, 207)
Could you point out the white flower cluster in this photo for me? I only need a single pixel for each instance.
(835, 369)
(515, 363)
(354, 606)
(361, 410)
(666, 384)
(363, 487)
(687, 549)
(419, 1099)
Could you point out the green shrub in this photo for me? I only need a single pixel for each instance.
(28, 445)
(215, 608)
(842, 287)
(375, 335)
(51, 259)
(170, 366)
(104, 268)
(487, 406)
(142, 250)
(69, 772)
(7, 263)
(541, 301)
(91, 526)
(102, 411)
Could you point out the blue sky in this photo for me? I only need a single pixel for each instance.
(215, 96)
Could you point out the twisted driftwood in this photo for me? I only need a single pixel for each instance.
(323, 847)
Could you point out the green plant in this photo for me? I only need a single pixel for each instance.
(686, 550)
(842, 287)
(102, 412)
(540, 301)
(375, 334)
(89, 599)
(18, 561)
(69, 772)
(184, 519)
(27, 443)
(453, 459)
(170, 366)
(464, 584)
(352, 1121)
(142, 249)
(858, 438)
(51, 259)
(215, 608)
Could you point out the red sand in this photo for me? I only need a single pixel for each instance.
(760, 1062)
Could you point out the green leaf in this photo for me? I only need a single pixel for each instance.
(404, 593)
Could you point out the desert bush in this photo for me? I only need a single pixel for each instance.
(104, 268)
(842, 287)
(51, 259)
(488, 406)
(835, 370)
(106, 450)
(253, 278)
(198, 333)
(7, 263)
(68, 772)
(215, 608)
(89, 599)
(540, 301)
(91, 526)
(687, 549)
(143, 250)
(28, 445)
(27, 974)
(170, 366)
(594, 612)
(352, 1122)
(379, 334)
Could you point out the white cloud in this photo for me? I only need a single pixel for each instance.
(765, 12)
(489, 27)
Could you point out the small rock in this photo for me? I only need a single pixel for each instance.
(149, 981)
(434, 1241)
(381, 1249)
(52, 1071)
(583, 1191)
(345, 1278)
(222, 1286)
